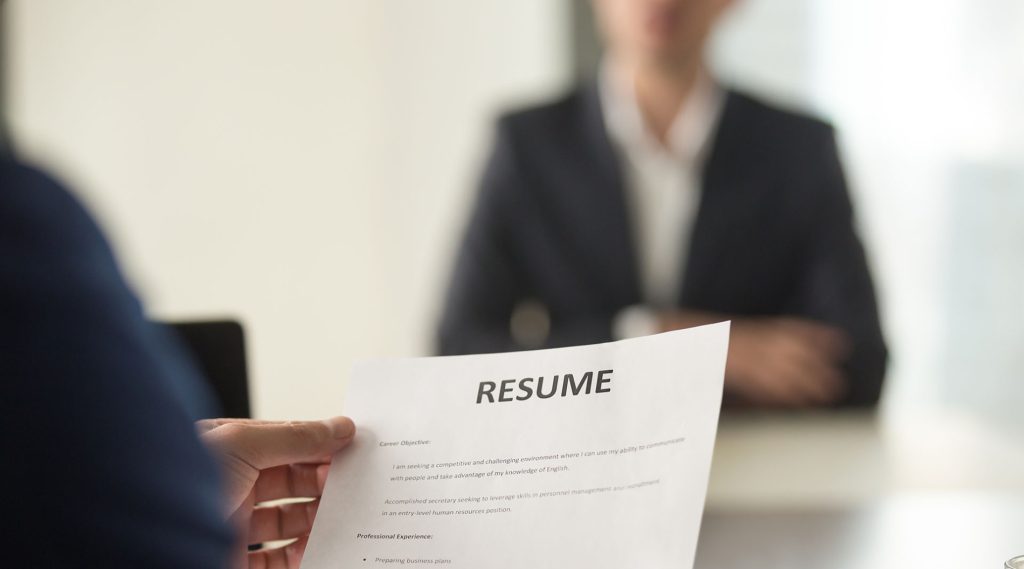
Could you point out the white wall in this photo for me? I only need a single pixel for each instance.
(306, 165)
(929, 96)
(301, 165)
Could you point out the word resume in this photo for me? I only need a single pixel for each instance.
(592, 456)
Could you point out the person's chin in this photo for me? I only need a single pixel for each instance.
(662, 55)
(670, 49)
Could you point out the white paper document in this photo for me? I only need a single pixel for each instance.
(590, 457)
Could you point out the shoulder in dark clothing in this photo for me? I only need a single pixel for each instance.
(95, 416)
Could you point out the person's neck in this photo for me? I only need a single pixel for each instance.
(662, 89)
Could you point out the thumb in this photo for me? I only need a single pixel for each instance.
(266, 444)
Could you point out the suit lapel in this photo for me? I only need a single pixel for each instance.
(605, 226)
(728, 194)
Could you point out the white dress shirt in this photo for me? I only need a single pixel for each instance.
(662, 185)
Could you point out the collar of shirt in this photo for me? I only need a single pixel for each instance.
(661, 181)
(689, 133)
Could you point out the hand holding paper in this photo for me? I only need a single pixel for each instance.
(594, 456)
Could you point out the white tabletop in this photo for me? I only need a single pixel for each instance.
(863, 491)
(942, 530)
(852, 458)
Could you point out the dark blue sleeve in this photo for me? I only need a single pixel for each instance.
(101, 464)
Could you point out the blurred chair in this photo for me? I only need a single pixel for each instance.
(218, 348)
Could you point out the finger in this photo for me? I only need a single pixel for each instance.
(827, 383)
(825, 338)
(820, 377)
(761, 388)
(781, 379)
(239, 520)
(266, 445)
(204, 425)
(777, 390)
(291, 481)
(287, 557)
(285, 521)
(808, 382)
(793, 394)
(752, 395)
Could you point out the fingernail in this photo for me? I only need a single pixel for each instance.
(341, 427)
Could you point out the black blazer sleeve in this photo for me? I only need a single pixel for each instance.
(834, 282)
(487, 282)
(101, 463)
(534, 237)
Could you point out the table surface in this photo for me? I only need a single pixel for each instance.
(863, 491)
(937, 531)
(831, 459)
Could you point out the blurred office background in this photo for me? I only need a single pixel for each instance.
(307, 167)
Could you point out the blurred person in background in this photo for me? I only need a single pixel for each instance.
(654, 199)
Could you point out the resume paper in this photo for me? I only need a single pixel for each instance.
(593, 456)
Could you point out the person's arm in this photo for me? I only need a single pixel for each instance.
(774, 361)
(102, 467)
(828, 349)
(835, 285)
(487, 280)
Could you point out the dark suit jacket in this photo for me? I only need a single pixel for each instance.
(101, 466)
(774, 233)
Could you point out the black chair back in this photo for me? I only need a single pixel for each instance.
(218, 348)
